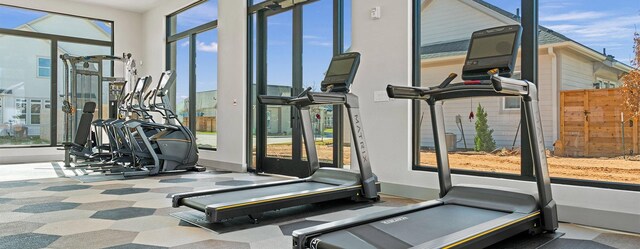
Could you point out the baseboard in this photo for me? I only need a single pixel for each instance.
(409, 191)
(30, 155)
(627, 222)
(219, 165)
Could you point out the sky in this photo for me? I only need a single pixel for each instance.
(595, 23)
(11, 18)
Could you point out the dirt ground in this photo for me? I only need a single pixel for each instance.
(598, 169)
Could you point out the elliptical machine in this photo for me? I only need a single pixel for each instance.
(160, 148)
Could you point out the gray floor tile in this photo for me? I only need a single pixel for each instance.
(573, 243)
(36, 200)
(145, 223)
(621, 241)
(95, 239)
(70, 227)
(218, 244)
(178, 180)
(125, 191)
(135, 246)
(113, 186)
(17, 184)
(47, 207)
(56, 216)
(18, 227)
(67, 188)
(27, 241)
(172, 190)
(106, 205)
(123, 213)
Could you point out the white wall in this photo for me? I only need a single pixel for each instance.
(388, 133)
(232, 55)
(127, 25)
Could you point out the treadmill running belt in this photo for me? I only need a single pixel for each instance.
(247, 195)
(410, 229)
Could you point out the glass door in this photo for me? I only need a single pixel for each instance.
(292, 52)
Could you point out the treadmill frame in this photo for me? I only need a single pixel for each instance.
(366, 189)
(546, 216)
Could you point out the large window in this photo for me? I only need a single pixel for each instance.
(292, 45)
(193, 54)
(584, 51)
(31, 82)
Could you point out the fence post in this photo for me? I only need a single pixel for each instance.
(635, 135)
(586, 123)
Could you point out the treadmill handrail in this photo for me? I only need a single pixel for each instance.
(327, 98)
(510, 87)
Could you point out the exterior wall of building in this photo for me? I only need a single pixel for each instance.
(437, 26)
(20, 74)
(576, 71)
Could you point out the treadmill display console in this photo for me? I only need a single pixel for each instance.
(492, 48)
(341, 72)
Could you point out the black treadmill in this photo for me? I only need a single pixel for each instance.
(463, 216)
(324, 184)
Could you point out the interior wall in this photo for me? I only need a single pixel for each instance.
(388, 125)
(127, 25)
(232, 37)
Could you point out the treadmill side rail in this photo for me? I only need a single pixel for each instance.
(177, 198)
(475, 236)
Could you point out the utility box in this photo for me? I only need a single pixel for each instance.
(452, 141)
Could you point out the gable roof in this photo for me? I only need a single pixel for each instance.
(453, 48)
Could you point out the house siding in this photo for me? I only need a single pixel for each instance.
(576, 71)
(437, 27)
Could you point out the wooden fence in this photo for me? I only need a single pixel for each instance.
(591, 125)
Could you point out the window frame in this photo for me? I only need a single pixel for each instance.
(511, 109)
(53, 40)
(192, 33)
(529, 39)
(38, 67)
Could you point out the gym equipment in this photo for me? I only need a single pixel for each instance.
(159, 148)
(463, 216)
(84, 81)
(324, 184)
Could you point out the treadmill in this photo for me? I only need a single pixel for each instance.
(464, 216)
(324, 184)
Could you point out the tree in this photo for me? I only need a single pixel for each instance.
(484, 136)
(631, 83)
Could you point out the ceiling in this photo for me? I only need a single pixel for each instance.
(139, 6)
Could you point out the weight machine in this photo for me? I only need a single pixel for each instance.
(85, 81)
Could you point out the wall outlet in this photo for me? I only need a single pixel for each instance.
(380, 96)
(375, 13)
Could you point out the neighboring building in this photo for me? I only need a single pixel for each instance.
(25, 78)
(564, 64)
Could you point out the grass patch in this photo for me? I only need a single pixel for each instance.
(206, 132)
(23, 141)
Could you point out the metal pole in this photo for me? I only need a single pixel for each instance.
(624, 152)
(529, 72)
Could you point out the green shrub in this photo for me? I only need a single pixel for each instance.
(484, 136)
